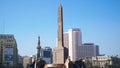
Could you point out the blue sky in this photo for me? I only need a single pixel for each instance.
(99, 21)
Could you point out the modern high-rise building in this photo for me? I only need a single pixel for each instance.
(88, 50)
(60, 52)
(66, 39)
(46, 54)
(8, 50)
(73, 39)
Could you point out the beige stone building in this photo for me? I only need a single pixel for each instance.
(8, 50)
(99, 61)
(27, 61)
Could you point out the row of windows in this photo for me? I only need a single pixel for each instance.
(9, 40)
(6, 46)
(47, 54)
(104, 58)
(101, 63)
(4, 37)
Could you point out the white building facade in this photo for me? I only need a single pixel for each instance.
(101, 61)
(74, 40)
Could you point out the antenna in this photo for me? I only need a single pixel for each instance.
(2, 25)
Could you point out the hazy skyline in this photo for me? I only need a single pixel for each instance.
(99, 21)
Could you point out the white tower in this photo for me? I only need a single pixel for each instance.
(75, 40)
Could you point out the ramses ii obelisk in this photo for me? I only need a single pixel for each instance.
(60, 27)
(59, 52)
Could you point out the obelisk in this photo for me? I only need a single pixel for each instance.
(60, 27)
(59, 52)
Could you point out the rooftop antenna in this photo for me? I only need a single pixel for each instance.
(2, 26)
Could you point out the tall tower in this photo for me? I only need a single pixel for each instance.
(38, 48)
(60, 26)
(72, 41)
(60, 52)
(75, 40)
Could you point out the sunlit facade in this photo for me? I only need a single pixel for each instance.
(8, 50)
(75, 40)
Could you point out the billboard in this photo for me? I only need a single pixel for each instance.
(8, 55)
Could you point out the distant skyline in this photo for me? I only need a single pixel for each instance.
(99, 21)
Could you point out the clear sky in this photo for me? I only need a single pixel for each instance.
(99, 21)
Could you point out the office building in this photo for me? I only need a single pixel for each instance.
(88, 50)
(73, 39)
(8, 50)
(66, 39)
(46, 54)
